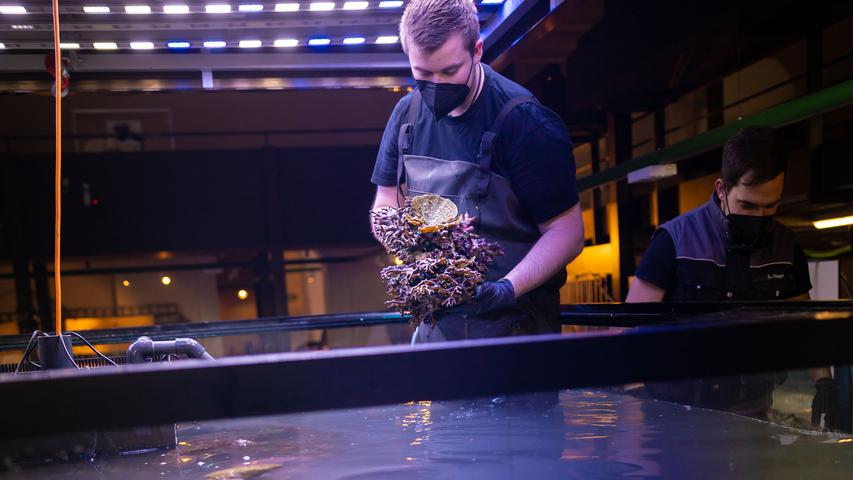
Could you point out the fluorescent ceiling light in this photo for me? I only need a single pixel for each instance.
(250, 43)
(319, 41)
(833, 222)
(321, 6)
(653, 173)
(105, 45)
(286, 42)
(2, 45)
(141, 45)
(22, 27)
(96, 9)
(178, 44)
(12, 9)
(353, 40)
(391, 4)
(217, 8)
(69, 46)
(176, 9)
(251, 8)
(286, 7)
(137, 9)
(387, 39)
(355, 5)
(214, 44)
(491, 2)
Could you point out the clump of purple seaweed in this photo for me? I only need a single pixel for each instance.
(441, 267)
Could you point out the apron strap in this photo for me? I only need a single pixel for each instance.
(404, 141)
(487, 143)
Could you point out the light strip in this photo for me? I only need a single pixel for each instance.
(492, 2)
(141, 45)
(286, 42)
(286, 7)
(251, 8)
(217, 8)
(322, 6)
(833, 222)
(105, 45)
(176, 9)
(22, 27)
(69, 46)
(250, 43)
(2, 45)
(315, 42)
(178, 44)
(353, 40)
(391, 4)
(387, 39)
(12, 9)
(137, 9)
(96, 9)
(355, 5)
(214, 44)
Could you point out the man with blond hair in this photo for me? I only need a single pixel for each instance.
(475, 137)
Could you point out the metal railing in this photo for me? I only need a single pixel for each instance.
(163, 313)
(82, 362)
(263, 137)
(587, 288)
(602, 314)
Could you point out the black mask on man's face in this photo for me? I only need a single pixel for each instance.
(748, 231)
(443, 98)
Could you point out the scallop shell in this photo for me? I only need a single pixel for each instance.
(434, 210)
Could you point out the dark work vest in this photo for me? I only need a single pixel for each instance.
(489, 197)
(709, 268)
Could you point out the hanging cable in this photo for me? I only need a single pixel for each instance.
(57, 61)
(92, 347)
(30, 346)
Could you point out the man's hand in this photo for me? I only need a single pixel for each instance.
(494, 295)
(825, 405)
(385, 197)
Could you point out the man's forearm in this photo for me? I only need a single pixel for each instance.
(550, 254)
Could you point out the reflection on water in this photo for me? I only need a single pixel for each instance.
(605, 429)
(577, 435)
(420, 420)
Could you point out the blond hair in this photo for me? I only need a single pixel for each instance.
(427, 24)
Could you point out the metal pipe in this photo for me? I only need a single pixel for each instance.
(144, 348)
(602, 315)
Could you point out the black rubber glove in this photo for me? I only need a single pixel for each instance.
(494, 295)
(825, 404)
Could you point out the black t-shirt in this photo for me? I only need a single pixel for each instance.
(533, 150)
(658, 265)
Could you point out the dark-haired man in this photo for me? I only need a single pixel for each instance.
(473, 136)
(732, 249)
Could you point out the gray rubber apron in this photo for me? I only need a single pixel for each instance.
(489, 197)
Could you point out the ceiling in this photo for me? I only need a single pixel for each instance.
(176, 44)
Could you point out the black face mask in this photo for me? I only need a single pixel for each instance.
(443, 98)
(748, 231)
